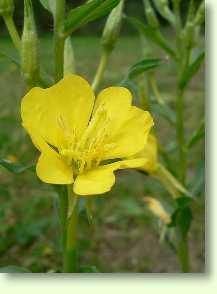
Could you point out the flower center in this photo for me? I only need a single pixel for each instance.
(87, 151)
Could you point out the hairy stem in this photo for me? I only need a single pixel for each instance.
(101, 69)
(9, 22)
(70, 264)
(183, 254)
(180, 132)
(59, 40)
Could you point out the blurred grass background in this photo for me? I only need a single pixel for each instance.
(123, 238)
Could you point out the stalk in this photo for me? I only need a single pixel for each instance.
(59, 40)
(183, 254)
(101, 69)
(9, 22)
(70, 263)
(183, 50)
(180, 132)
(63, 209)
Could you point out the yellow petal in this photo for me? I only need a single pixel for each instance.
(101, 179)
(68, 104)
(52, 169)
(132, 136)
(149, 153)
(117, 102)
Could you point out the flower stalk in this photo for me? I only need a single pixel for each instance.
(59, 40)
(69, 221)
(109, 39)
(101, 69)
(70, 263)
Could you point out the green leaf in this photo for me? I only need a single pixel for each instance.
(11, 58)
(192, 70)
(15, 168)
(182, 217)
(151, 34)
(88, 269)
(13, 269)
(197, 135)
(87, 12)
(143, 65)
(50, 5)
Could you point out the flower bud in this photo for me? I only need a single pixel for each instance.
(112, 27)
(29, 45)
(69, 59)
(150, 15)
(6, 7)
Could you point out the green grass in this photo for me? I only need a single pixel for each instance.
(123, 237)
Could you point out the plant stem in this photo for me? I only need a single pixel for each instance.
(101, 69)
(12, 31)
(183, 254)
(63, 210)
(180, 132)
(70, 264)
(59, 40)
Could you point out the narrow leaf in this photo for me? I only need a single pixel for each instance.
(15, 168)
(151, 34)
(142, 66)
(88, 12)
(197, 135)
(50, 5)
(11, 58)
(192, 70)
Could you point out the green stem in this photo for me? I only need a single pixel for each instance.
(9, 22)
(183, 254)
(101, 69)
(70, 264)
(180, 132)
(63, 210)
(59, 40)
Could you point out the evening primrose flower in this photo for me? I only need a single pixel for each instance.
(82, 140)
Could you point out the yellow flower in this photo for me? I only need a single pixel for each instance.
(77, 135)
(150, 154)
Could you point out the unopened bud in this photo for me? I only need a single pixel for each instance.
(150, 15)
(157, 209)
(29, 45)
(69, 59)
(112, 27)
(6, 7)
